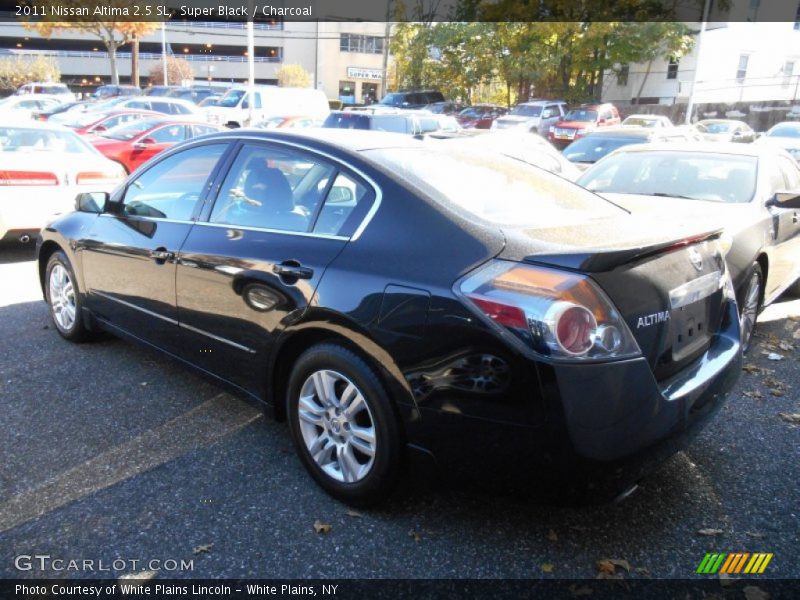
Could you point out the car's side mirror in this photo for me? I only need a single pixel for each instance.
(785, 200)
(98, 129)
(143, 143)
(340, 195)
(91, 202)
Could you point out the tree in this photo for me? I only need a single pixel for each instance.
(113, 34)
(18, 70)
(293, 76)
(178, 70)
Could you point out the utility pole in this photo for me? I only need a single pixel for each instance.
(386, 38)
(164, 51)
(690, 105)
(251, 83)
(135, 60)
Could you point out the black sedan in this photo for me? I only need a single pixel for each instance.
(751, 189)
(391, 299)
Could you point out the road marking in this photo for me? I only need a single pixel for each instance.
(201, 426)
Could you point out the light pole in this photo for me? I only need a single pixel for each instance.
(164, 51)
(690, 105)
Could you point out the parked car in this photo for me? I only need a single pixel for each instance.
(411, 99)
(480, 116)
(587, 150)
(43, 167)
(537, 116)
(25, 107)
(578, 121)
(650, 121)
(193, 94)
(785, 135)
(159, 104)
(94, 123)
(159, 90)
(725, 130)
(288, 123)
(307, 269)
(132, 144)
(519, 145)
(444, 108)
(396, 121)
(751, 190)
(233, 109)
(209, 100)
(53, 90)
(104, 92)
(58, 110)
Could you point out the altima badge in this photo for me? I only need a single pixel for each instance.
(648, 320)
(696, 259)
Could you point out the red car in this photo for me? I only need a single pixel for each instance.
(480, 116)
(134, 143)
(579, 121)
(97, 122)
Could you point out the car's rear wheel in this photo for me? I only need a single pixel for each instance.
(343, 424)
(751, 304)
(64, 299)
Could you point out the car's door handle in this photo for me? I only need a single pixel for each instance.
(161, 255)
(292, 268)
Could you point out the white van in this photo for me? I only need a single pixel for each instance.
(233, 109)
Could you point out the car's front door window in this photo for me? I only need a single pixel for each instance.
(172, 187)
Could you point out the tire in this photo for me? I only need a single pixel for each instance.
(64, 299)
(344, 463)
(751, 305)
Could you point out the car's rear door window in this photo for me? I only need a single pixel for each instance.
(345, 199)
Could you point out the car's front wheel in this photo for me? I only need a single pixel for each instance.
(343, 424)
(63, 298)
(751, 304)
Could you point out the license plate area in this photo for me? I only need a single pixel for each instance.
(690, 331)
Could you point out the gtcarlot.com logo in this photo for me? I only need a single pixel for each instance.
(45, 562)
(734, 563)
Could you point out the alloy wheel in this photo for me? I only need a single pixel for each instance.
(62, 297)
(337, 426)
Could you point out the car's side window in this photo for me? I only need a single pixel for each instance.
(202, 130)
(169, 134)
(139, 104)
(171, 188)
(344, 196)
(271, 187)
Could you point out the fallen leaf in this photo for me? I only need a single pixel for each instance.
(642, 571)
(756, 534)
(354, 513)
(785, 346)
(321, 527)
(776, 392)
(413, 534)
(622, 563)
(143, 383)
(796, 334)
(793, 418)
(203, 548)
(753, 394)
(752, 592)
(577, 592)
(551, 535)
(748, 368)
(606, 566)
(547, 567)
(710, 531)
(774, 356)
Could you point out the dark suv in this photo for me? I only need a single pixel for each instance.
(413, 99)
(413, 123)
(113, 91)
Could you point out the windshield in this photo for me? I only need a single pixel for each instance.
(790, 131)
(714, 127)
(693, 175)
(15, 139)
(640, 121)
(525, 110)
(393, 99)
(494, 188)
(128, 131)
(592, 148)
(231, 98)
(580, 114)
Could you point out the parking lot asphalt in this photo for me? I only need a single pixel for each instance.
(109, 451)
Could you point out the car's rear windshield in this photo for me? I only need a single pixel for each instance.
(594, 147)
(526, 110)
(231, 98)
(494, 188)
(714, 127)
(20, 139)
(710, 176)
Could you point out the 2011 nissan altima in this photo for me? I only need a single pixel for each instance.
(386, 296)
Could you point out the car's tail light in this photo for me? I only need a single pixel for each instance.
(27, 178)
(553, 313)
(98, 177)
